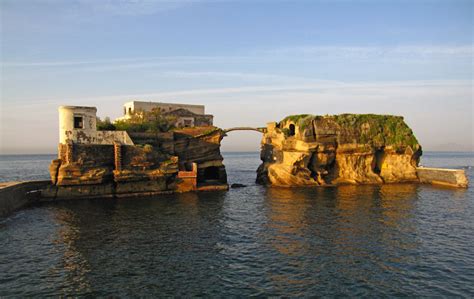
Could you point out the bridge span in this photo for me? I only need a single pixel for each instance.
(261, 130)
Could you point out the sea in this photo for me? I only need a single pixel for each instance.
(377, 241)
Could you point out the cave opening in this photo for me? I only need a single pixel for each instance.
(211, 173)
(379, 156)
(292, 130)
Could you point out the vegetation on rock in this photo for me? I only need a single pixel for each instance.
(142, 121)
(377, 129)
(197, 131)
(301, 120)
(105, 125)
(371, 129)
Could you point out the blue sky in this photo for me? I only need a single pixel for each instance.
(249, 62)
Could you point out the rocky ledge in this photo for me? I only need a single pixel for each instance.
(313, 150)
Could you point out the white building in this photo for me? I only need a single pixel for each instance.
(139, 106)
(78, 124)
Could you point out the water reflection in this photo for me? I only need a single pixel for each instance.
(368, 227)
(377, 241)
(286, 211)
(73, 264)
(132, 238)
(254, 241)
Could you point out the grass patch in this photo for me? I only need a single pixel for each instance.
(374, 129)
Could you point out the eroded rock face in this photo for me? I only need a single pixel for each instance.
(308, 150)
(150, 166)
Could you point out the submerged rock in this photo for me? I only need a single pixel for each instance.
(306, 150)
(236, 185)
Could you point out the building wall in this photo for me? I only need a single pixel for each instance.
(131, 107)
(66, 121)
(99, 137)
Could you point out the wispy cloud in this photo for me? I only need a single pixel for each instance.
(413, 53)
(364, 52)
(234, 75)
(129, 62)
(315, 86)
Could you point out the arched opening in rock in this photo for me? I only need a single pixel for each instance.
(241, 153)
(292, 130)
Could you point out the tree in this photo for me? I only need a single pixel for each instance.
(160, 122)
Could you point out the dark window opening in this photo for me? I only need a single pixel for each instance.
(124, 110)
(78, 123)
(211, 173)
(129, 110)
(292, 130)
(188, 123)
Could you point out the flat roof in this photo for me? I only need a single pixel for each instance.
(162, 103)
(78, 107)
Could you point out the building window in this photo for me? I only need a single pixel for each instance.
(78, 122)
(188, 123)
(124, 110)
(130, 110)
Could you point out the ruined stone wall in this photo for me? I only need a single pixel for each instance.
(94, 155)
(203, 120)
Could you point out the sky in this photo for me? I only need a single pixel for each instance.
(249, 62)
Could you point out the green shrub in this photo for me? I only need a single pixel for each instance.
(153, 121)
(105, 125)
(286, 132)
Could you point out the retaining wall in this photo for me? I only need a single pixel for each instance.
(14, 196)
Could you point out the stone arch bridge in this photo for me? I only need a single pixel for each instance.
(261, 130)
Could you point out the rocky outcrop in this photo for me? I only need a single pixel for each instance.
(153, 165)
(309, 150)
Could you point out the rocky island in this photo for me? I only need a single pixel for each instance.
(300, 150)
(312, 150)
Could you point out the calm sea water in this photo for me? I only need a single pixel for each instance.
(391, 240)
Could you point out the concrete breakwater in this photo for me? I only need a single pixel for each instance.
(16, 195)
(442, 176)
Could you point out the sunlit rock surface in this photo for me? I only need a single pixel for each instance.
(307, 150)
(179, 161)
